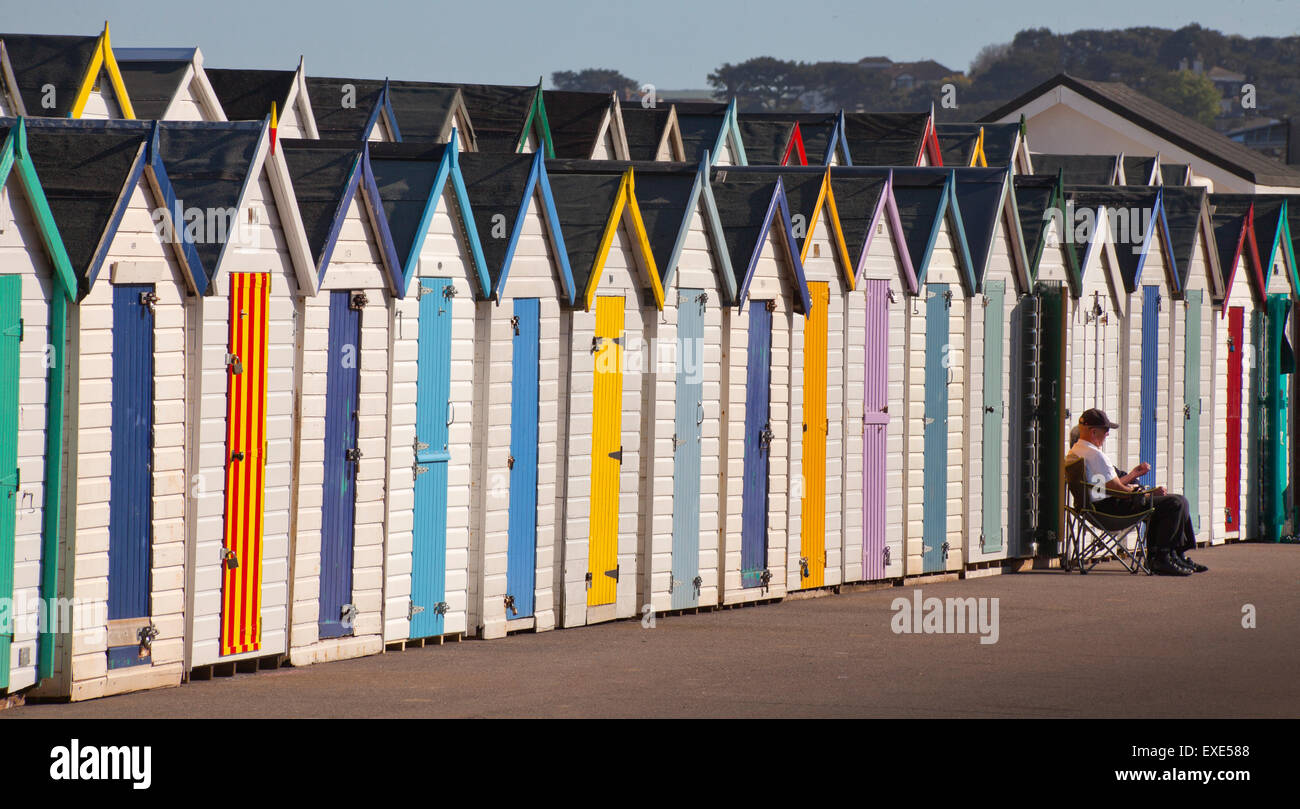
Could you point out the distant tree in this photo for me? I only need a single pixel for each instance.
(987, 56)
(763, 84)
(847, 85)
(595, 80)
(1192, 94)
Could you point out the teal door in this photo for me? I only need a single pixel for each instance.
(934, 530)
(1192, 407)
(11, 333)
(991, 435)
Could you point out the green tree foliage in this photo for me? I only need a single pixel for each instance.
(595, 80)
(763, 84)
(1190, 93)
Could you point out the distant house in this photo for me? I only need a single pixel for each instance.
(1069, 115)
(907, 75)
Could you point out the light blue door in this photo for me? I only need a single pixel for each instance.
(521, 561)
(689, 415)
(934, 515)
(432, 397)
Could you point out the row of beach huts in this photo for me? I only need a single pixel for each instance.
(295, 369)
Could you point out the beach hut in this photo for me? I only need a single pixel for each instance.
(37, 284)
(874, 368)
(250, 95)
(434, 480)
(891, 139)
(937, 374)
(1006, 145)
(243, 407)
(168, 84)
(961, 144)
(772, 141)
(340, 519)
(61, 77)
(602, 389)
(1192, 336)
(1083, 169)
(1139, 170)
(993, 234)
(517, 546)
(585, 126)
(429, 113)
(506, 118)
(352, 109)
(652, 133)
(713, 129)
(1038, 330)
(757, 362)
(817, 391)
(138, 274)
(1238, 337)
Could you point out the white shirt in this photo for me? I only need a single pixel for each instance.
(1097, 468)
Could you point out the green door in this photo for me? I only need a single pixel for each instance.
(11, 333)
(1192, 407)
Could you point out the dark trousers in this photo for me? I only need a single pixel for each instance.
(1169, 528)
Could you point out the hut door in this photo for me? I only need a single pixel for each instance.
(1279, 361)
(1052, 414)
(991, 434)
(339, 501)
(934, 530)
(130, 509)
(11, 334)
(606, 451)
(1022, 522)
(1192, 407)
(241, 579)
(521, 553)
(875, 430)
(1255, 427)
(432, 413)
(1232, 506)
(1150, 371)
(758, 447)
(815, 428)
(689, 415)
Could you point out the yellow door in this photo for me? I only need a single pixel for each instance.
(606, 451)
(812, 548)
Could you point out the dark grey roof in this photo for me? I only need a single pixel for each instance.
(152, 84)
(1078, 169)
(644, 129)
(38, 60)
(1174, 127)
(246, 95)
(574, 119)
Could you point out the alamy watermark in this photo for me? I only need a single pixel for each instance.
(946, 616)
(1079, 225)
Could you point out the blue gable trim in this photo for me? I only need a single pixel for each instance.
(778, 204)
(529, 186)
(844, 140)
(192, 266)
(683, 228)
(959, 230)
(123, 202)
(556, 233)
(375, 206)
(722, 257)
(386, 103)
(340, 212)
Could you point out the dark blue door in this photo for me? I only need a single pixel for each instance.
(130, 512)
(521, 561)
(338, 509)
(1150, 372)
(758, 445)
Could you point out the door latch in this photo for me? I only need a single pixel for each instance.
(803, 567)
(514, 324)
(945, 551)
(699, 583)
(440, 608)
(765, 579)
(449, 291)
(588, 579)
(886, 556)
(234, 364)
(149, 300)
(510, 605)
(353, 454)
(358, 300)
(236, 456)
(146, 636)
(771, 306)
(348, 614)
(229, 559)
(510, 462)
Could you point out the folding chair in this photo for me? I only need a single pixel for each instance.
(1092, 536)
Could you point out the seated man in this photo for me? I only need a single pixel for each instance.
(1169, 532)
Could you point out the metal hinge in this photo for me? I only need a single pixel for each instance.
(617, 454)
(613, 574)
(417, 470)
(1187, 412)
(358, 300)
(412, 610)
(419, 445)
(588, 579)
(1232, 346)
(981, 541)
(421, 290)
(1227, 515)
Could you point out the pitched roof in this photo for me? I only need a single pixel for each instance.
(1174, 173)
(61, 61)
(1139, 202)
(1178, 129)
(87, 179)
(497, 183)
(1078, 169)
(324, 176)
(583, 203)
(859, 198)
(152, 84)
(247, 95)
(426, 112)
(575, 120)
(803, 189)
(405, 176)
(500, 113)
(1139, 170)
(957, 142)
(700, 124)
(1268, 226)
(767, 141)
(1182, 209)
(748, 206)
(1036, 194)
(644, 130)
(980, 196)
(1000, 142)
(341, 113)
(1231, 218)
(208, 165)
(885, 138)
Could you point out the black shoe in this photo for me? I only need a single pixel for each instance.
(1188, 563)
(1162, 562)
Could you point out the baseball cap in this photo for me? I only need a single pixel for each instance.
(1093, 417)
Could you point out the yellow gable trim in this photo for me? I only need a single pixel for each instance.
(103, 60)
(826, 196)
(625, 203)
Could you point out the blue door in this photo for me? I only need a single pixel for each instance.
(433, 394)
(1150, 371)
(758, 445)
(339, 498)
(521, 555)
(130, 512)
(689, 416)
(934, 516)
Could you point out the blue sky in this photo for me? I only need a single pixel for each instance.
(673, 44)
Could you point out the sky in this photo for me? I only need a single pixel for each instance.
(672, 44)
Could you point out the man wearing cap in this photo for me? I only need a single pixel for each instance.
(1169, 532)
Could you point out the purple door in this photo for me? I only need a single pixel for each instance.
(875, 430)
(758, 445)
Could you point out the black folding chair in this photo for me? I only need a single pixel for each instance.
(1092, 536)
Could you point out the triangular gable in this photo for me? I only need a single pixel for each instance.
(982, 195)
(1079, 169)
(1039, 198)
(749, 207)
(889, 138)
(707, 127)
(350, 109)
(1233, 221)
(16, 161)
(1130, 209)
(410, 180)
(811, 139)
(1140, 170)
(71, 65)
(925, 198)
(504, 114)
(591, 208)
(961, 144)
(248, 95)
(1003, 145)
(326, 176)
(647, 130)
(577, 120)
(1187, 214)
(156, 77)
(1274, 236)
(502, 186)
(768, 141)
(429, 113)
(863, 196)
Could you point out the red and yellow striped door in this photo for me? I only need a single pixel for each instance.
(241, 591)
(606, 451)
(812, 546)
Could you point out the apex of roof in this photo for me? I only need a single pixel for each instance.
(1174, 127)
